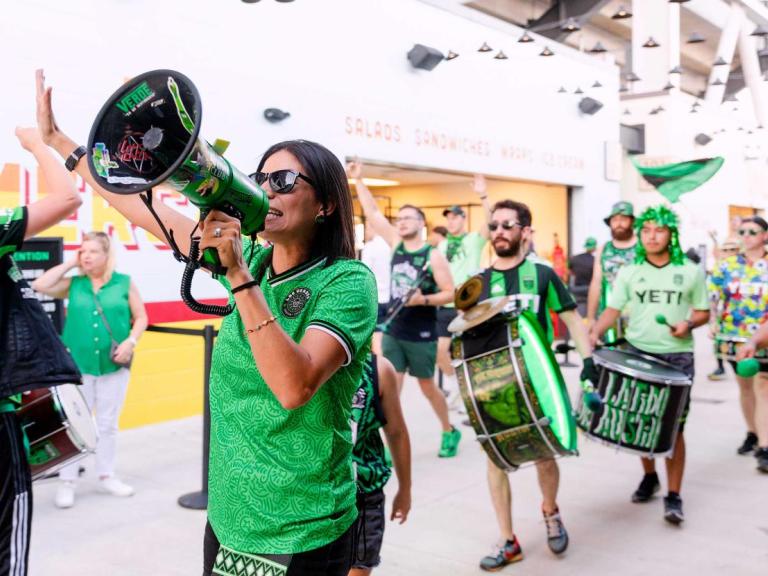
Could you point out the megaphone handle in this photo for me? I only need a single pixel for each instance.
(210, 261)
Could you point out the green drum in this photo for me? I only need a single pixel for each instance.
(726, 348)
(513, 391)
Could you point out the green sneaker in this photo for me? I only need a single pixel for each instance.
(450, 444)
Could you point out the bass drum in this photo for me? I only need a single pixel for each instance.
(59, 427)
(513, 391)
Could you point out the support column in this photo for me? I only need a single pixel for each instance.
(661, 20)
(725, 50)
(751, 68)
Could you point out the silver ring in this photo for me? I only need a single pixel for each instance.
(217, 233)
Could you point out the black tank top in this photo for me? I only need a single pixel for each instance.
(413, 323)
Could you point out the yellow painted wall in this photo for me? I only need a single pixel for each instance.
(548, 204)
(166, 377)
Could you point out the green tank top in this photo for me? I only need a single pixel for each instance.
(612, 260)
(84, 332)
(371, 469)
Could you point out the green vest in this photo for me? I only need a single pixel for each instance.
(84, 332)
(612, 260)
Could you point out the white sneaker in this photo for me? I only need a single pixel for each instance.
(65, 495)
(115, 487)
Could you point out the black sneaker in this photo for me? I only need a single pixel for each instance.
(649, 485)
(762, 459)
(557, 536)
(749, 444)
(673, 509)
(505, 554)
(718, 374)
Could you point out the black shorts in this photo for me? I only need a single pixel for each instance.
(683, 361)
(369, 528)
(381, 314)
(444, 317)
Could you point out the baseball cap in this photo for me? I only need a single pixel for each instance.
(590, 243)
(625, 208)
(759, 220)
(455, 209)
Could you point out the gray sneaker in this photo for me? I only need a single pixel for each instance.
(557, 535)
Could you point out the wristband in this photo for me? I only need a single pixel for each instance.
(691, 325)
(74, 158)
(132, 340)
(244, 285)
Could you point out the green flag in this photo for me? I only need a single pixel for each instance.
(674, 180)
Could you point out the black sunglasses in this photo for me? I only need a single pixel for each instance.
(505, 224)
(280, 181)
(750, 231)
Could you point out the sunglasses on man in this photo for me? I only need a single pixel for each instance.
(505, 225)
(750, 231)
(280, 181)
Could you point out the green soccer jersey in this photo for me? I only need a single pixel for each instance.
(532, 286)
(672, 291)
(368, 418)
(463, 254)
(13, 225)
(281, 481)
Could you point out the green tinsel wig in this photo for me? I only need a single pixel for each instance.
(663, 216)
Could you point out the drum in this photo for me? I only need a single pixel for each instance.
(644, 400)
(59, 427)
(513, 390)
(727, 346)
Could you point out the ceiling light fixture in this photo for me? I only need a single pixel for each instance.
(632, 77)
(720, 62)
(651, 43)
(676, 70)
(717, 82)
(546, 52)
(376, 182)
(598, 48)
(696, 38)
(484, 48)
(597, 84)
(760, 31)
(501, 56)
(622, 13)
(570, 25)
(525, 38)
(451, 55)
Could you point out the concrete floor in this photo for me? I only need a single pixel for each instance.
(452, 524)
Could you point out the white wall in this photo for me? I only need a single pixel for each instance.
(334, 65)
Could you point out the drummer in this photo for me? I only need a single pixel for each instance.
(611, 257)
(739, 290)
(661, 282)
(759, 340)
(533, 286)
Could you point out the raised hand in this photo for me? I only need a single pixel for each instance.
(46, 123)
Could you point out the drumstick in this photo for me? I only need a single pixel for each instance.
(592, 399)
(661, 319)
(747, 368)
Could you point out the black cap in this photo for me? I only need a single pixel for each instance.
(759, 220)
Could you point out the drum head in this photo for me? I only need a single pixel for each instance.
(77, 415)
(640, 366)
(478, 314)
(547, 380)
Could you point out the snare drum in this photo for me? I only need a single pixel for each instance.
(59, 426)
(513, 391)
(727, 346)
(644, 400)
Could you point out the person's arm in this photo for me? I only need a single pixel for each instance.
(700, 305)
(373, 215)
(758, 340)
(139, 321)
(607, 319)
(595, 286)
(396, 433)
(63, 198)
(294, 371)
(53, 282)
(575, 324)
(129, 206)
(481, 189)
(442, 274)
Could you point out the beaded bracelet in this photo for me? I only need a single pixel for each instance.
(260, 325)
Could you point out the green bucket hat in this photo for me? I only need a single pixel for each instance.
(625, 208)
(590, 243)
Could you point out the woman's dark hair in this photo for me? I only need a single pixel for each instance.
(336, 235)
(522, 210)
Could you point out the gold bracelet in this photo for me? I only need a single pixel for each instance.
(261, 325)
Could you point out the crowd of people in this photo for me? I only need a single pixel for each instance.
(309, 367)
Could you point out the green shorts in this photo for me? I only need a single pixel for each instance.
(416, 358)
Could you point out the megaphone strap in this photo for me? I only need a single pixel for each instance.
(146, 197)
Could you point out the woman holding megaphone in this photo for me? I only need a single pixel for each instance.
(286, 363)
(747, 366)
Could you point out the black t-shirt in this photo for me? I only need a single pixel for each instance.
(581, 267)
(413, 323)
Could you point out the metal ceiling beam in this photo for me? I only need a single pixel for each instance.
(580, 10)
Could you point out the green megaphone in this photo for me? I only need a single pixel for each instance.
(147, 134)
